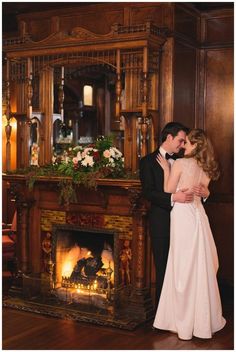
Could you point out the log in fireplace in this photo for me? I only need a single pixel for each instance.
(89, 260)
(86, 264)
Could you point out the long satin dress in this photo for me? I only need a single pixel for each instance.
(190, 303)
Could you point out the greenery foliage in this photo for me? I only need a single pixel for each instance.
(81, 165)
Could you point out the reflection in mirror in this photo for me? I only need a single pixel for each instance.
(34, 141)
(89, 104)
(62, 136)
(88, 95)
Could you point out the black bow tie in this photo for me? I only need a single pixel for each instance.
(168, 156)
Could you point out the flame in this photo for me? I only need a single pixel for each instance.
(67, 269)
(69, 260)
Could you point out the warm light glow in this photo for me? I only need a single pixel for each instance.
(88, 95)
(67, 261)
(67, 269)
(13, 124)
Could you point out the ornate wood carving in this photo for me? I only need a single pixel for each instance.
(118, 86)
(130, 50)
(8, 127)
(24, 202)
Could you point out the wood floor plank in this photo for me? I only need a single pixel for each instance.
(32, 331)
(29, 331)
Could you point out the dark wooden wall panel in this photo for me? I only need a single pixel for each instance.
(219, 125)
(100, 24)
(221, 218)
(39, 28)
(220, 29)
(219, 112)
(185, 22)
(98, 18)
(184, 84)
(154, 12)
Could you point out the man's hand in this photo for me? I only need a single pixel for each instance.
(201, 191)
(183, 196)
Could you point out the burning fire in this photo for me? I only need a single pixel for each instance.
(70, 259)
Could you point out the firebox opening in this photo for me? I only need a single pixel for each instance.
(84, 265)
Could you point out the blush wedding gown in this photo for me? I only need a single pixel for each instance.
(190, 303)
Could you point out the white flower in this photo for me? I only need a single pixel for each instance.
(111, 162)
(112, 152)
(117, 152)
(88, 161)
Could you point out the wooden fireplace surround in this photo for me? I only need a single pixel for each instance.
(115, 204)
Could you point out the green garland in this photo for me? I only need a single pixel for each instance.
(74, 173)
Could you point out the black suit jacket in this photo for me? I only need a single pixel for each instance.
(152, 180)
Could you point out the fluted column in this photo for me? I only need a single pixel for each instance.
(118, 85)
(27, 123)
(46, 93)
(8, 127)
(144, 123)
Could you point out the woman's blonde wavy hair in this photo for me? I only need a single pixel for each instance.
(204, 153)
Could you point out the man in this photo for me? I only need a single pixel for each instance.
(173, 138)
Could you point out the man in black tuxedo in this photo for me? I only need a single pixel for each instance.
(152, 179)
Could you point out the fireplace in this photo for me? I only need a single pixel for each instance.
(90, 260)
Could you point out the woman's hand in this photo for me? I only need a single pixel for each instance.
(201, 191)
(163, 162)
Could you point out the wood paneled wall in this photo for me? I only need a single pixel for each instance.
(96, 18)
(184, 84)
(200, 88)
(215, 115)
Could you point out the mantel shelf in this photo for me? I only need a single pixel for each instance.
(109, 182)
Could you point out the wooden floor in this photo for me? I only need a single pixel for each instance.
(24, 331)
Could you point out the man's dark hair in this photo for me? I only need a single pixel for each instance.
(172, 128)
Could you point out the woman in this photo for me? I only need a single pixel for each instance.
(190, 302)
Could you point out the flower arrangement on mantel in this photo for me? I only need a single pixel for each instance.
(83, 165)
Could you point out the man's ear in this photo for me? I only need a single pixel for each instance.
(169, 137)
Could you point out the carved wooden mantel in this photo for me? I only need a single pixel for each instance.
(113, 197)
(132, 53)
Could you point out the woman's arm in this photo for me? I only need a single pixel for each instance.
(166, 169)
(174, 176)
(171, 177)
